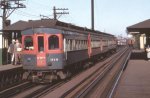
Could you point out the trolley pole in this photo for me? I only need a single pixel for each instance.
(4, 18)
(54, 10)
(7, 7)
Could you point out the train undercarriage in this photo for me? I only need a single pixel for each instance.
(53, 75)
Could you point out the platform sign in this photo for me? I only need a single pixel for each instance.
(0, 48)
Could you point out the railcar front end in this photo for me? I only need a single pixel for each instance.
(42, 52)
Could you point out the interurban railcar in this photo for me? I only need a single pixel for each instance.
(57, 48)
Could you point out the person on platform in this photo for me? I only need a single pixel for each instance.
(17, 52)
(148, 52)
(11, 51)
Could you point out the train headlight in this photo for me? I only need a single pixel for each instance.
(28, 59)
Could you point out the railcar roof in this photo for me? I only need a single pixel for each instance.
(48, 23)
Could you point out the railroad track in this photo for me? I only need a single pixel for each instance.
(102, 88)
(79, 82)
(7, 93)
(99, 84)
(30, 90)
(45, 89)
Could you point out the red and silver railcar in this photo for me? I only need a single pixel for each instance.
(54, 49)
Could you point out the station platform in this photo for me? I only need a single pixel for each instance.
(8, 67)
(135, 80)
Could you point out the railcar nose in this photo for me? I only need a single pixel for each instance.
(41, 60)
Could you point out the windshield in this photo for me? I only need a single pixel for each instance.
(28, 43)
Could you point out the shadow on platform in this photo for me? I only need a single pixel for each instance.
(138, 55)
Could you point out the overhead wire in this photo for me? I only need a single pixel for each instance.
(41, 4)
(18, 12)
(42, 8)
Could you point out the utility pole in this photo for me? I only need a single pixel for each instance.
(92, 14)
(59, 13)
(8, 7)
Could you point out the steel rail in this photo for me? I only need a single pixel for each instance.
(97, 79)
(40, 92)
(44, 90)
(15, 90)
(65, 94)
(119, 76)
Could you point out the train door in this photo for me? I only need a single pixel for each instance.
(41, 55)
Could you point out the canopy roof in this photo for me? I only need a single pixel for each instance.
(22, 25)
(141, 27)
(48, 23)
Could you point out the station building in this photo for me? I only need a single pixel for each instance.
(10, 32)
(140, 33)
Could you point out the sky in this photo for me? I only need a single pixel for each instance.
(111, 16)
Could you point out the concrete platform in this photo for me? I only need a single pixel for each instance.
(8, 67)
(135, 81)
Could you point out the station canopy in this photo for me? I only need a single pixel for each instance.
(141, 27)
(48, 23)
(22, 25)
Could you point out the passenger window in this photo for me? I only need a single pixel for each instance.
(71, 45)
(28, 43)
(53, 42)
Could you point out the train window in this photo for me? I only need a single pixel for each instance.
(67, 45)
(79, 45)
(53, 42)
(40, 43)
(28, 43)
(71, 45)
(76, 44)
